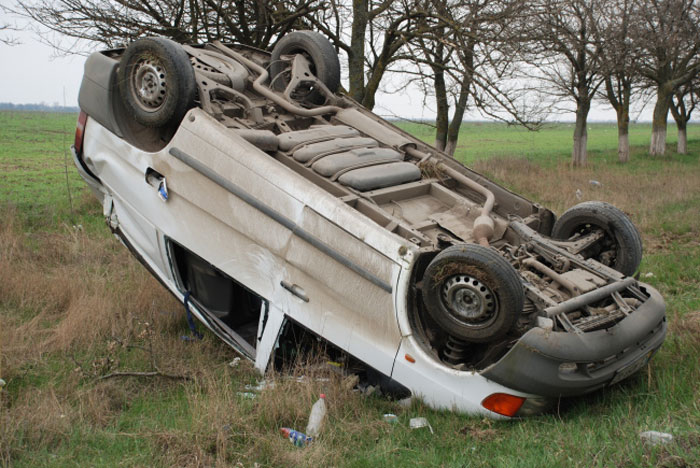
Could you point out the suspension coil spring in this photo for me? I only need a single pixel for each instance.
(455, 351)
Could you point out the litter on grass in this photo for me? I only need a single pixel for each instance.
(391, 418)
(417, 423)
(655, 437)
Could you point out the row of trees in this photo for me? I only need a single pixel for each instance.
(513, 60)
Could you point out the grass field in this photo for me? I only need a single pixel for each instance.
(75, 306)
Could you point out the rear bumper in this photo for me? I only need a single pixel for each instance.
(90, 179)
(591, 360)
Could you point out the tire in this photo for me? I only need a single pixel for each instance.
(156, 82)
(621, 246)
(472, 293)
(318, 50)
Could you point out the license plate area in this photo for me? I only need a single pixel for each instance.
(632, 368)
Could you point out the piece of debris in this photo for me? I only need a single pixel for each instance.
(261, 385)
(417, 423)
(367, 389)
(655, 437)
(406, 402)
(595, 183)
(2, 384)
(649, 275)
(246, 395)
(235, 362)
(303, 378)
(391, 418)
(579, 194)
(350, 382)
(295, 437)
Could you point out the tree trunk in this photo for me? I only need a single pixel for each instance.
(461, 104)
(623, 137)
(658, 127)
(682, 139)
(460, 107)
(443, 106)
(356, 59)
(579, 155)
(681, 115)
(443, 109)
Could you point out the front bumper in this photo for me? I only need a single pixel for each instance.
(554, 364)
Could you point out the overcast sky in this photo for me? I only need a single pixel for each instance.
(32, 72)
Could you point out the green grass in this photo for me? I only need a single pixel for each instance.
(552, 144)
(37, 174)
(55, 412)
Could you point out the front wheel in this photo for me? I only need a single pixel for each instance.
(621, 245)
(472, 293)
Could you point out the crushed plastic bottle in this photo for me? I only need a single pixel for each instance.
(318, 413)
(295, 437)
(655, 437)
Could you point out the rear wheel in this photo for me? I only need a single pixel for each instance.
(472, 293)
(322, 57)
(621, 245)
(156, 82)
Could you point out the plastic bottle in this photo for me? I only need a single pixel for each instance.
(297, 438)
(655, 437)
(318, 413)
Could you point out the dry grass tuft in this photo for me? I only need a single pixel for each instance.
(38, 419)
(229, 428)
(687, 326)
(64, 296)
(69, 289)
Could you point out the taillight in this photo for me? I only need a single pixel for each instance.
(503, 403)
(80, 133)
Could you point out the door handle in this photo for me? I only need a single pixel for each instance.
(157, 180)
(295, 289)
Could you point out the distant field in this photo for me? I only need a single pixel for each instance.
(36, 167)
(75, 306)
(552, 143)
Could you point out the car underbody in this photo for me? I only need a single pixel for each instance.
(412, 256)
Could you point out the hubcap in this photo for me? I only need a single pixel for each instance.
(149, 84)
(469, 300)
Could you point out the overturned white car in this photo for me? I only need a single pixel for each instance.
(277, 209)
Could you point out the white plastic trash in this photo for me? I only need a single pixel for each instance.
(417, 423)
(318, 413)
(655, 437)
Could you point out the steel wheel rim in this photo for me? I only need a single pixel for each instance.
(469, 301)
(149, 84)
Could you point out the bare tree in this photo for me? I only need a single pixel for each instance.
(379, 30)
(4, 39)
(371, 32)
(683, 103)
(619, 62)
(113, 22)
(464, 58)
(670, 39)
(567, 57)
(6, 28)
